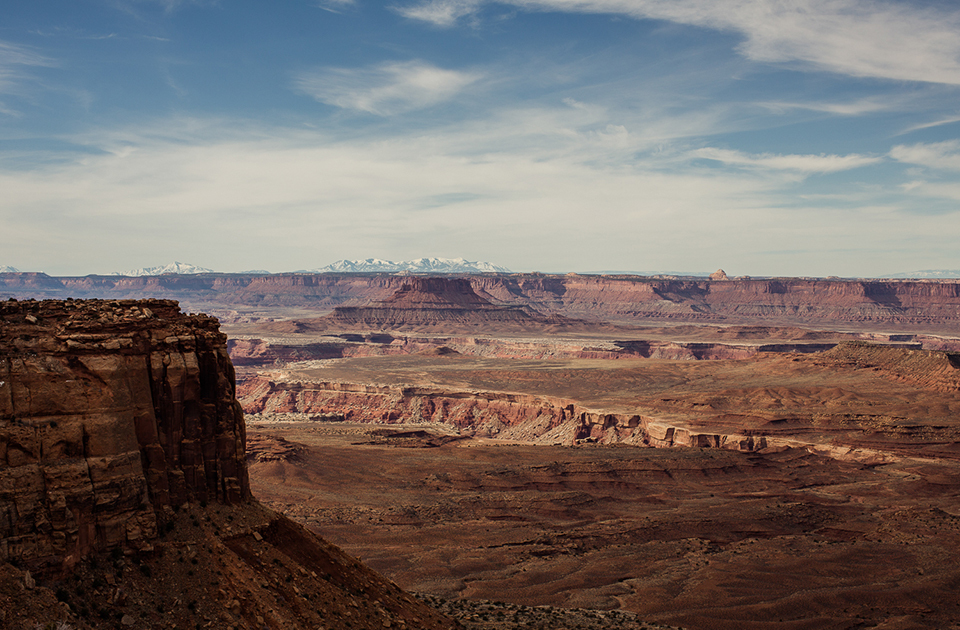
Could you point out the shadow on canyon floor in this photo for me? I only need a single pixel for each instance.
(702, 538)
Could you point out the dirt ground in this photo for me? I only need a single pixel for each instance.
(699, 538)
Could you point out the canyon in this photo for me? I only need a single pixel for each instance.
(702, 475)
(705, 453)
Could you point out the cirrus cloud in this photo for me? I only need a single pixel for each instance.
(806, 164)
(385, 89)
(862, 38)
(13, 59)
(937, 155)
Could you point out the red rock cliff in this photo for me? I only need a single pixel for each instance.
(928, 305)
(111, 413)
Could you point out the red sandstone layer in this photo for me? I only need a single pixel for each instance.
(856, 401)
(109, 413)
(927, 305)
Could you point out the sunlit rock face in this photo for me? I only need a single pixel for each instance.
(931, 305)
(112, 413)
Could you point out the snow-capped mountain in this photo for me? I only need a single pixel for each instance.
(420, 265)
(172, 268)
(928, 273)
(7, 269)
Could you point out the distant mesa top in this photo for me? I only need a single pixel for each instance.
(429, 301)
(928, 274)
(719, 274)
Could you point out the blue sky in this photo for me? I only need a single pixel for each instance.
(767, 137)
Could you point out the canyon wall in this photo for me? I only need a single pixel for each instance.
(112, 413)
(505, 416)
(627, 298)
(262, 352)
(929, 304)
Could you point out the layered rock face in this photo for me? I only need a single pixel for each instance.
(792, 300)
(855, 401)
(433, 301)
(933, 305)
(111, 414)
(534, 419)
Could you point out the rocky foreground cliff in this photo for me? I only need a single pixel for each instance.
(124, 496)
(112, 412)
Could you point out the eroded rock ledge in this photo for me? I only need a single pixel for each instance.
(505, 416)
(856, 401)
(111, 414)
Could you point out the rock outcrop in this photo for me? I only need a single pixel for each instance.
(435, 301)
(854, 401)
(255, 351)
(124, 494)
(928, 306)
(534, 419)
(111, 414)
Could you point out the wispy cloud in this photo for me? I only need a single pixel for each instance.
(335, 6)
(936, 155)
(805, 164)
(60, 31)
(939, 190)
(13, 60)
(12, 55)
(853, 108)
(439, 12)
(169, 5)
(385, 89)
(864, 38)
(937, 123)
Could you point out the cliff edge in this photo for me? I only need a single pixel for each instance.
(124, 495)
(110, 413)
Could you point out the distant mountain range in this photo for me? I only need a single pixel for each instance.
(173, 268)
(370, 265)
(420, 265)
(453, 265)
(928, 274)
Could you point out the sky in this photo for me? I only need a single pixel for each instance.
(764, 137)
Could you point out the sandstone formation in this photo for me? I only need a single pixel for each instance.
(110, 413)
(857, 401)
(506, 417)
(928, 305)
(124, 493)
(767, 301)
(274, 350)
(443, 302)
